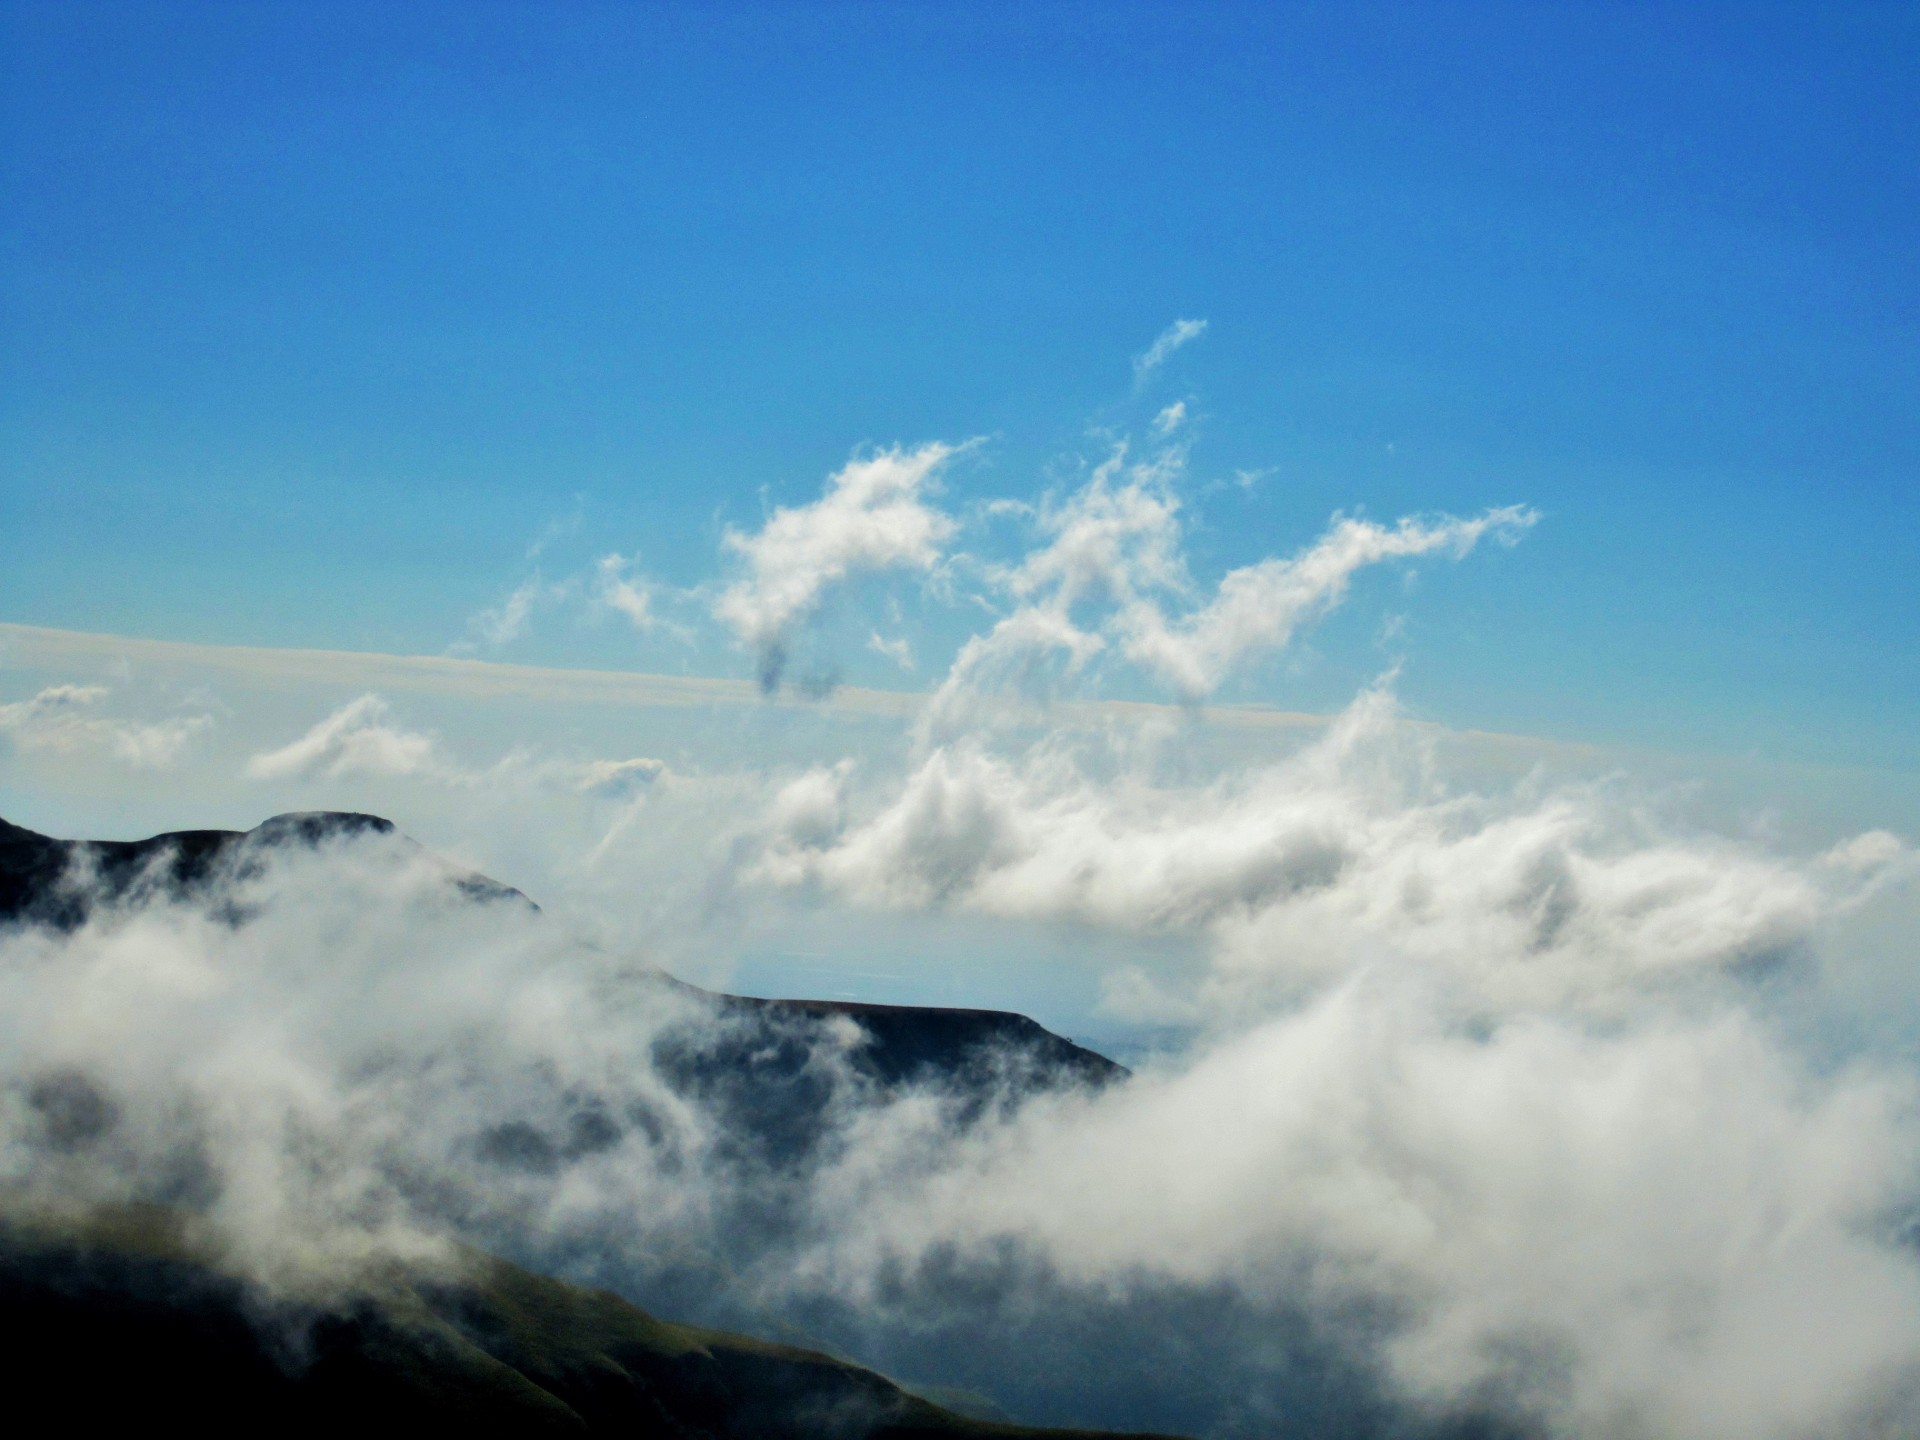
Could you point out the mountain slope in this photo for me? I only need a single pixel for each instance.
(59, 882)
(120, 1322)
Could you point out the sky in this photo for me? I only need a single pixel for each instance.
(319, 321)
(1358, 559)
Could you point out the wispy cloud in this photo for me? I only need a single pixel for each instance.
(506, 622)
(1181, 332)
(628, 594)
(617, 779)
(559, 528)
(64, 719)
(1258, 607)
(359, 738)
(364, 739)
(1109, 575)
(872, 517)
(1497, 1090)
(897, 649)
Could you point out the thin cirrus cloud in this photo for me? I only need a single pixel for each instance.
(899, 649)
(616, 779)
(1179, 333)
(507, 621)
(1258, 607)
(873, 516)
(626, 593)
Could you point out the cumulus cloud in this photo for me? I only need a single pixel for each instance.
(1179, 333)
(1666, 1227)
(1347, 856)
(873, 516)
(1492, 1066)
(65, 720)
(1672, 1231)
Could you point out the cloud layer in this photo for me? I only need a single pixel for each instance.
(1493, 1100)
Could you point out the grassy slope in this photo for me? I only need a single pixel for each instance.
(120, 1322)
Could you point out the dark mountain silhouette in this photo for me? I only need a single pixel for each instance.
(116, 1322)
(120, 1323)
(60, 882)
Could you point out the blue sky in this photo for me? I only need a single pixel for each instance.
(317, 318)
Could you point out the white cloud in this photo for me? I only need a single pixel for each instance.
(507, 621)
(63, 720)
(1171, 418)
(1258, 607)
(1496, 1067)
(356, 739)
(897, 650)
(1348, 856)
(631, 596)
(54, 700)
(617, 779)
(1169, 340)
(1669, 1231)
(362, 739)
(872, 517)
(1110, 572)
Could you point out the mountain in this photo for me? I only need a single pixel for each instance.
(120, 1322)
(123, 1314)
(59, 882)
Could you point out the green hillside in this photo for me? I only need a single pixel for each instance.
(120, 1322)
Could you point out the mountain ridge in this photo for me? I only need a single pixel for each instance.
(773, 1074)
(119, 1320)
(905, 1043)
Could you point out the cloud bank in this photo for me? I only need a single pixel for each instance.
(1493, 1105)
